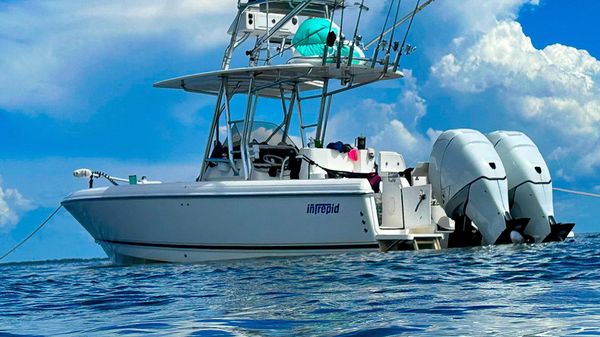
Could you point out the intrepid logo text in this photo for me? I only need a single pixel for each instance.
(323, 208)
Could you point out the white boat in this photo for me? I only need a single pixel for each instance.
(260, 194)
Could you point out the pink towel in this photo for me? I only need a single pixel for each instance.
(353, 154)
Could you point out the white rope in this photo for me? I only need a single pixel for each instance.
(587, 194)
(32, 233)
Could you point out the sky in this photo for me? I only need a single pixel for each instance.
(76, 91)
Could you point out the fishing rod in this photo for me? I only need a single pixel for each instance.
(398, 23)
(379, 40)
(330, 35)
(389, 49)
(399, 54)
(355, 39)
(341, 39)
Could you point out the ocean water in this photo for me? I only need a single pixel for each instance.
(521, 290)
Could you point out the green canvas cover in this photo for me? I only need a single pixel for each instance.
(311, 37)
(357, 54)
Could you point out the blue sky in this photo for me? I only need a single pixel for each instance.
(76, 91)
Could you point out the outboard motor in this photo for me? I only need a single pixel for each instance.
(469, 181)
(529, 185)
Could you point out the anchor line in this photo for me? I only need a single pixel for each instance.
(587, 194)
(32, 233)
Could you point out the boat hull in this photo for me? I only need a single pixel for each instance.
(135, 254)
(193, 222)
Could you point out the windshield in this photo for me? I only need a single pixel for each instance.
(262, 133)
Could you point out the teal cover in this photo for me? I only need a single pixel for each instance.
(311, 37)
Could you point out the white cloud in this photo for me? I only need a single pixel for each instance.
(559, 153)
(410, 101)
(475, 16)
(563, 175)
(394, 136)
(590, 160)
(12, 205)
(558, 79)
(433, 134)
(555, 88)
(349, 123)
(51, 49)
(388, 126)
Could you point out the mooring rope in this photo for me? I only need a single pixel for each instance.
(32, 233)
(587, 194)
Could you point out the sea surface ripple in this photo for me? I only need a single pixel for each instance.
(520, 290)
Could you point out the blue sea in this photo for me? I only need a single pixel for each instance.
(521, 290)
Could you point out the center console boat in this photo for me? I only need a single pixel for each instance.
(262, 192)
